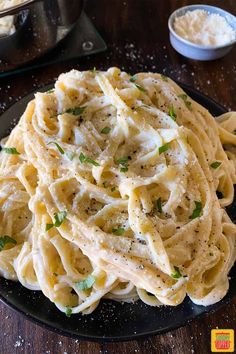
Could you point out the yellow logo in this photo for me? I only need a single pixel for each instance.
(222, 340)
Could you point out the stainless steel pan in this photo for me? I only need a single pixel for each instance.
(41, 25)
(66, 11)
(15, 9)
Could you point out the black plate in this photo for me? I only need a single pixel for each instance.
(111, 321)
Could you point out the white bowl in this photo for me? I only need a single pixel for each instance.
(197, 51)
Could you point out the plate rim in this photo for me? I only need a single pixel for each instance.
(68, 333)
(103, 339)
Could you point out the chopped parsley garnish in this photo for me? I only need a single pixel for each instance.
(59, 218)
(86, 283)
(10, 150)
(70, 155)
(49, 226)
(50, 91)
(123, 162)
(124, 169)
(6, 239)
(86, 159)
(164, 148)
(119, 231)
(55, 274)
(141, 88)
(68, 312)
(172, 113)
(184, 97)
(164, 78)
(176, 274)
(215, 164)
(75, 111)
(197, 211)
(159, 205)
(211, 254)
(188, 105)
(113, 189)
(58, 147)
(133, 79)
(106, 130)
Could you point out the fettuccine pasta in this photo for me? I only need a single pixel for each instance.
(108, 190)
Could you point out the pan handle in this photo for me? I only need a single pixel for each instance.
(15, 9)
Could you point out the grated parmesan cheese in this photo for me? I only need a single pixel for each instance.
(202, 27)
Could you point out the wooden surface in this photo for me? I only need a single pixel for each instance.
(137, 36)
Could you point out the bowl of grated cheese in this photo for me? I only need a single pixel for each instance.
(202, 32)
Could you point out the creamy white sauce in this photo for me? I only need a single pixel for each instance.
(203, 28)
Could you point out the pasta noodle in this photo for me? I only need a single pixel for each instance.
(108, 190)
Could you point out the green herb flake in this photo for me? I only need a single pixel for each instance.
(211, 254)
(133, 79)
(177, 274)
(5, 240)
(215, 164)
(71, 155)
(86, 159)
(106, 130)
(86, 283)
(141, 88)
(10, 150)
(49, 226)
(197, 211)
(75, 111)
(68, 312)
(164, 148)
(113, 189)
(123, 160)
(184, 97)
(172, 113)
(118, 231)
(59, 219)
(159, 205)
(55, 274)
(93, 162)
(124, 169)
(58, 147)
(188, 105)
(50, 91)
(164, 78)
(82, 158)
